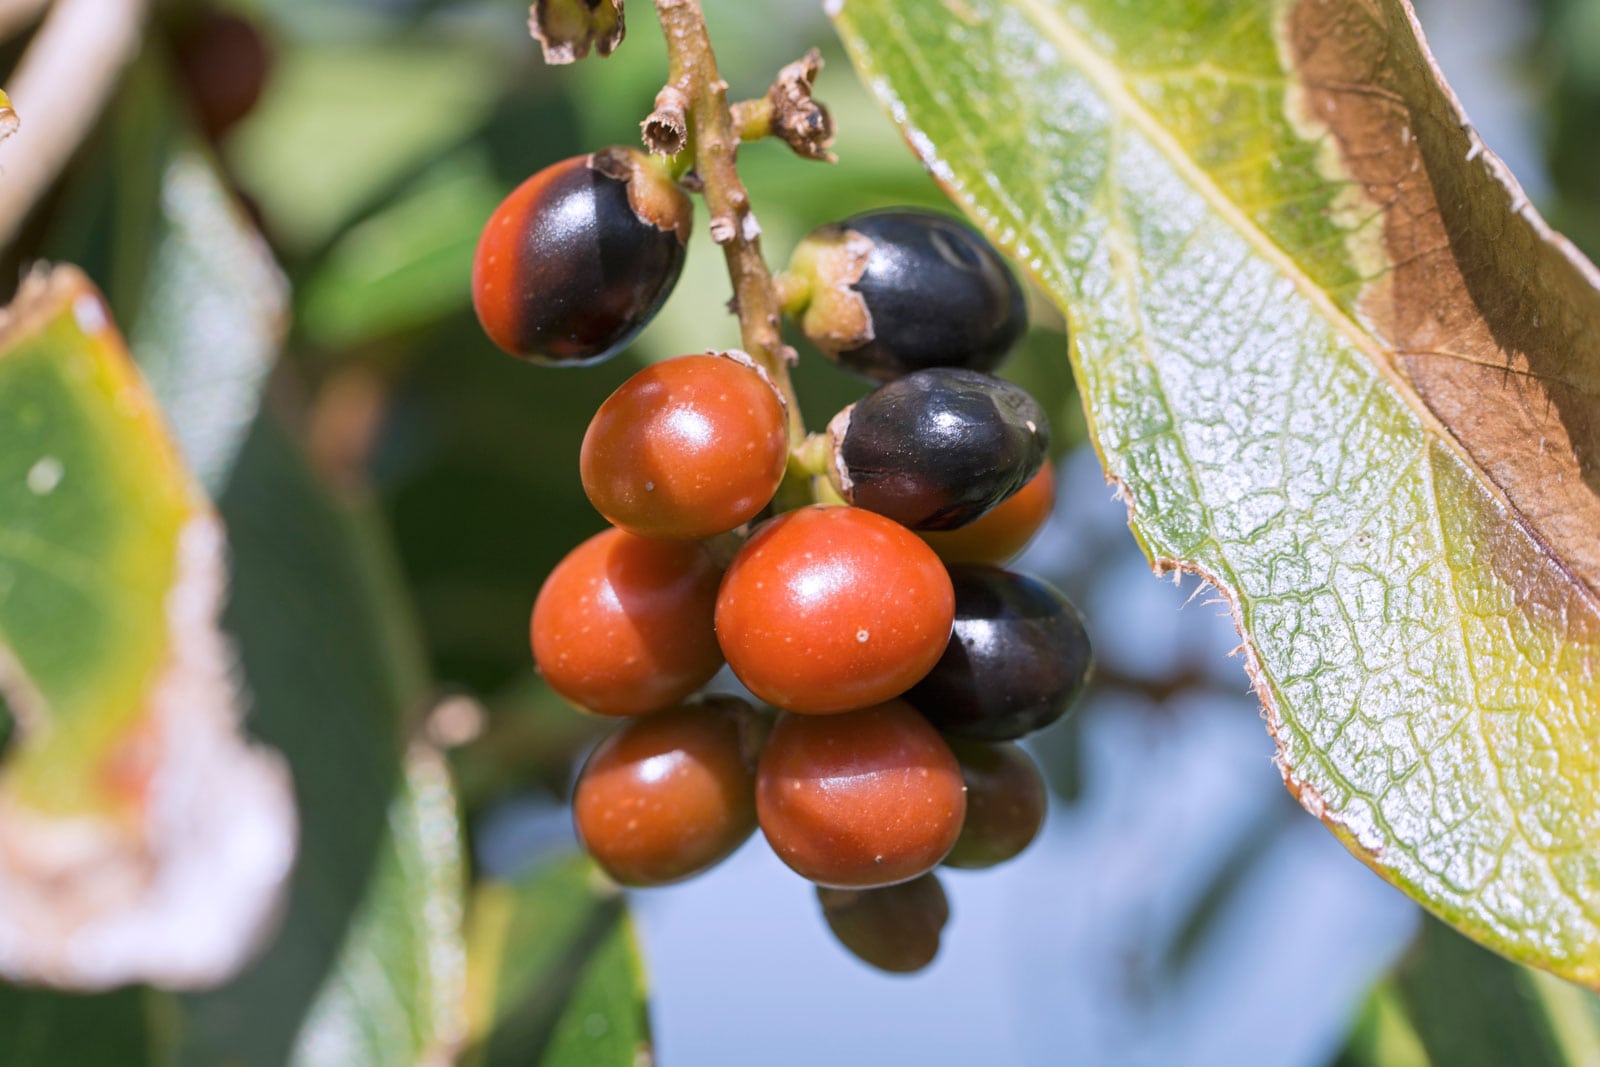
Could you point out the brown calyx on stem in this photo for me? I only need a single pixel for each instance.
(794, 116)
(692, 77)
(567, 29)
(655, 198)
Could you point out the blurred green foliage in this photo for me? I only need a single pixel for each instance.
(1566, 68)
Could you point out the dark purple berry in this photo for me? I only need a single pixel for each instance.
(890, 292)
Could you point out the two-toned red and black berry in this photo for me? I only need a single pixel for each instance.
(890, 292)
(936, 449)
(580, 257)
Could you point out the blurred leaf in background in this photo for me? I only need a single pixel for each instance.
(1567, 65)
(556, 976)
(142, 838)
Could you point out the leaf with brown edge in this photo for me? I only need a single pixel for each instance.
(1335, 363)
(142, 839)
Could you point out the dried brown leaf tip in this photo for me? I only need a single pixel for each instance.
(567, 29)
(800, 121)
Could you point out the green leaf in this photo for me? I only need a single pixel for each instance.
(408, 264)
(39, 1027)
(554, 973)
(396, 992)
(1334, 363)
(1452, 1003)
(111, 660)
(147, 213)
(328, 645)
(343, 122)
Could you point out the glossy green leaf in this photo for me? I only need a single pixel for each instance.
(1335, 363)
(554, 974)
(112, 568)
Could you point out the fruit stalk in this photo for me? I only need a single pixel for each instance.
(692, 72)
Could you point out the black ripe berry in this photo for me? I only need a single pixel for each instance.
(574, 263)
(895, 928)
(890, 292)
(937, 448)
(1017, 659)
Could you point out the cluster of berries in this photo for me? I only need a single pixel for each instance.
(870, 612)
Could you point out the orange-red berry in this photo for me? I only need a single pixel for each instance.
(868, 798)
(669, 795)
(623, 625)
(686, 448)
(830, 608)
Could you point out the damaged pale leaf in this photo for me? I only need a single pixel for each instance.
(8, 116)
(214, 313)
(1336, 364)
(141, 837)
(567, 29)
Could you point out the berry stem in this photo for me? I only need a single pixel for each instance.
(692, 72)
(752, 119)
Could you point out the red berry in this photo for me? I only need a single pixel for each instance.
(830, 608)
(686, 448)
(579, 258)
(868, 798)
(670, 795)
(895, 928)
(1002, 532)
(1006, 802)
(623, 625)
